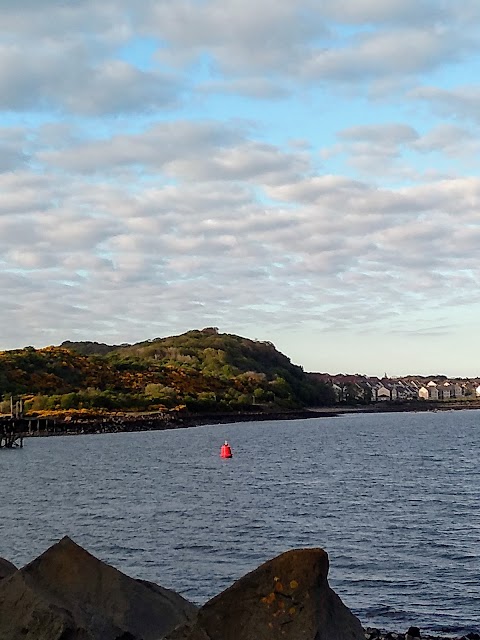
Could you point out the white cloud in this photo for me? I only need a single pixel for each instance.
(449, 139)
(382, 134)
(206, 243)
(257, 166)
(65, 55)
(62, 76)
(459, 103)
(385, 11)
(13, 151)
(253, 87)
(382, 149)
(239, 35)
(401, 52)
(185, 150)
(107, 23)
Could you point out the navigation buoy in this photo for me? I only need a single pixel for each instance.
(226, 450)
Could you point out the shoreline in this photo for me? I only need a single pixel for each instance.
(374, 633)
(45, 426)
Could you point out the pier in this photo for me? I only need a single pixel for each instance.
(11, 433)
(13, 430)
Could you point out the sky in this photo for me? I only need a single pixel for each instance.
(299, 171)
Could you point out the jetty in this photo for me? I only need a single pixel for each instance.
(11, 433)
(13, 430)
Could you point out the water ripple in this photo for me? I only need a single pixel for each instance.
(392, 498)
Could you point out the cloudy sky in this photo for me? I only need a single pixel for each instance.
(299, 171)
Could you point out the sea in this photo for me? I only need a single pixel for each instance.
(394, 499)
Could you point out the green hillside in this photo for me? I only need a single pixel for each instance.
(199, 370)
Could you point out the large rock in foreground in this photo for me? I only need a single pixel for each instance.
(67, 594)
(6, 568)
(286, 598)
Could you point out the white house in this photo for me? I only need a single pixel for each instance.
(457, 390)
(432, 390)
(386, 391)
(446, 391)
(423, 393)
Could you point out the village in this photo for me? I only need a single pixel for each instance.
(354, 388)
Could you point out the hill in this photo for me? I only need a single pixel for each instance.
(88, 348)
(198, 370)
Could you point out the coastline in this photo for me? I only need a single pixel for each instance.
(128, 423)
(373, 633)
(34, 426)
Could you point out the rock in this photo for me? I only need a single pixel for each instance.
(286, 598)
(413, 632)
(68, 594)
(6, 568)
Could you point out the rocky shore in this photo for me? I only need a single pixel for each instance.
(68, 594)
(119, 423)
(413, 633)
(154, 421)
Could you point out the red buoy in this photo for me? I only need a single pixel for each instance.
(225, 450)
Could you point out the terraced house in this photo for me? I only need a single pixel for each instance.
(366, 389)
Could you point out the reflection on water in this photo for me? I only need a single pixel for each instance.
(392, 498)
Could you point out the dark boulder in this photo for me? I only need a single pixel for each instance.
(68, 594)
(6, 568)
(286, 598)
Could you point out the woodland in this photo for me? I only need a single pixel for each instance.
(200, 371)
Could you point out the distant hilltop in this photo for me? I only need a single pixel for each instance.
(197, 371)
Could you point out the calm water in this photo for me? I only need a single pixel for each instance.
(393, 499)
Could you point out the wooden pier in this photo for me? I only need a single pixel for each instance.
(14, 430)
(11, 434)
